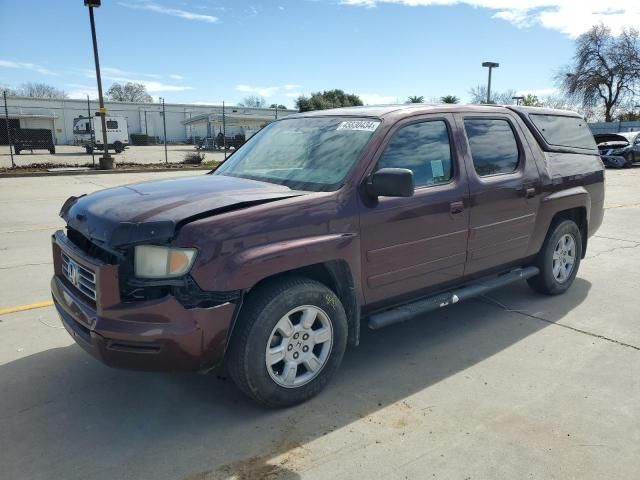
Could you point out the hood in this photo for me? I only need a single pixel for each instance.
(154, 211)
(610, 137)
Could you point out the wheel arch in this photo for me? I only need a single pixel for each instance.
(335, 275)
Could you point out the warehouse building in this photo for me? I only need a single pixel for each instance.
(184, 122)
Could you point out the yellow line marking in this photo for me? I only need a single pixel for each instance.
(22, 308)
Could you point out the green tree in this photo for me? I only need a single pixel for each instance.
(129, 92)
(278, 106)
(415, 99)
(449, 99)
(605, 69)
(327, 99)
(531, 100)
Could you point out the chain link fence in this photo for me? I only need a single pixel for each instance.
(57, 133)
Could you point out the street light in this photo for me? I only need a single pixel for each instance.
(518, 99)
(490, 66)
(106, 161)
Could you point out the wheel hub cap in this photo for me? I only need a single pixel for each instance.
(564, 258)
(299, 346)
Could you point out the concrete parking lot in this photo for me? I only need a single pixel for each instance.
(511, 386)
(75, 155)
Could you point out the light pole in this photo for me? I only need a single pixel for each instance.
(490, 66)
(106, 161)
(164, 126)
(518, 99)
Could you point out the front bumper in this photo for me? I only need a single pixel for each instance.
(615, 161)
(150, 335)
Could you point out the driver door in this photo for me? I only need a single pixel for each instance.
(412, 244)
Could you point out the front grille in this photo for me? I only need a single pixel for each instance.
(90, 248)
(79, 276)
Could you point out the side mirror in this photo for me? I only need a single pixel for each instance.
(391, 182)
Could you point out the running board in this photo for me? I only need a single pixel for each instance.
(412, 310)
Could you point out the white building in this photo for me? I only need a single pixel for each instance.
(184, 121)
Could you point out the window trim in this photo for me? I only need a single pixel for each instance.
(521, 156)
(412, 121)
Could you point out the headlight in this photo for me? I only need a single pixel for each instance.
(163, 262)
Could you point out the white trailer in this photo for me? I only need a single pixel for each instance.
(87, 132)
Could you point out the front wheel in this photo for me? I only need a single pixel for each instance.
(559, 259)
(289, 340)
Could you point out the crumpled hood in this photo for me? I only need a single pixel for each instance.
(153, 211)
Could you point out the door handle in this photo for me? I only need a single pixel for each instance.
(456, 207)
(528, 191)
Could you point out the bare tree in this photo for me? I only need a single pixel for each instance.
(40, 90)
(129, 92)
(478, 94)
(605, 69)
(253, 101)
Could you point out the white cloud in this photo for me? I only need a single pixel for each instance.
(26, 66)
(377, 99)
(77, 90)
(120, 76)
(268, 91)
(293, 94)
(571, 17)
(175, 76)
(174, 12)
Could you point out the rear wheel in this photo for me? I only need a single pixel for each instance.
(559, 259)
(88, 149)
(289, 340)
(17, 151)
(118, 147)
(52, 151)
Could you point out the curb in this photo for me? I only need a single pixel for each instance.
(103, 172)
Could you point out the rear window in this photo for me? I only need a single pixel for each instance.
(564, 131)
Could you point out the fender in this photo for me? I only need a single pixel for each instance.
(575, 197)
(246, 268)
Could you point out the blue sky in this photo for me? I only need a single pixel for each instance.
(207, 51)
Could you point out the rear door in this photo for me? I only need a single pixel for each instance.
(411, 244)
(504, 189)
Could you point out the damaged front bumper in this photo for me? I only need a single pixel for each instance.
(158, 334)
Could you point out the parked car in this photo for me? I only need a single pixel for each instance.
(619, 149)
(32, 139)
(268, 264)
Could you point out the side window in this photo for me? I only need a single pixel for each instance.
(423, 148)
(493, 145)
(112, 124)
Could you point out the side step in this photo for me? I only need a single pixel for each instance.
(412, 310)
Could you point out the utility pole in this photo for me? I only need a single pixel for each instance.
(93, 156)
(164, 126)
(6, 116)
(490, 66)
(276, 111)
(106, 161)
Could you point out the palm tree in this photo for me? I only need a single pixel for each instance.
(449, 99)
(415, 99)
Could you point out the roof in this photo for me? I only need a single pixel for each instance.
(380, 111)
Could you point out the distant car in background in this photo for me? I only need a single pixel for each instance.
(619, 149)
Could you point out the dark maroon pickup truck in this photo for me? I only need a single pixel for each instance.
(269, 264)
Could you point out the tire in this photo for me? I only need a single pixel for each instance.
(52, 151)
(628, 160)
(118, 147)
(276, 383)
(17, 151)
(554, 281)
(89, 149)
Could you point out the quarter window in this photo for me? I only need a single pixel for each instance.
(493, 145)
(423, 148)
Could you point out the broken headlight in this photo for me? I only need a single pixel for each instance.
(162, 262)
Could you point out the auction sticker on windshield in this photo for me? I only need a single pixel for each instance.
(361, 125)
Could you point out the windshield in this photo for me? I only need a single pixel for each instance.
(313, 154)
